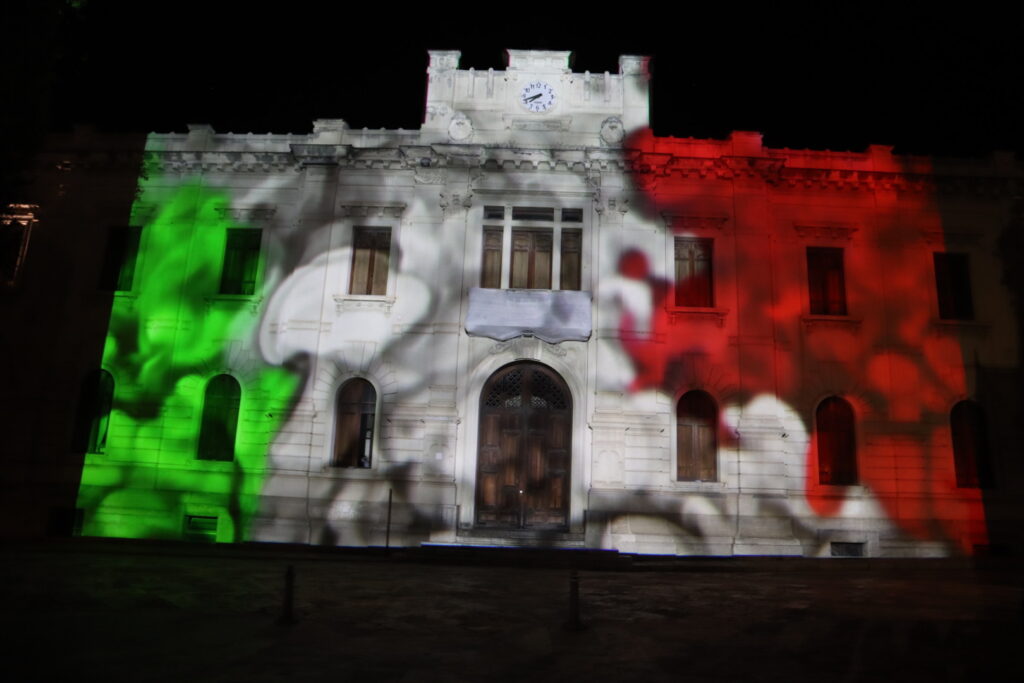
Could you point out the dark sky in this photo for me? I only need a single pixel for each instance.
(947, 83)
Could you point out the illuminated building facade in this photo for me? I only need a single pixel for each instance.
(530, 322)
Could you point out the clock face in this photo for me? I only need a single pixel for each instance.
(537, 96)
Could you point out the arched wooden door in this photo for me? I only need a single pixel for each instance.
(524, 462)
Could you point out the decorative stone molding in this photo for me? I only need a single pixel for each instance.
(352, 302)
(527, 347)
(319, 155)
(234, 300)
(438, 111)
(550, 124)
(612, 131)
(455, 201)
(370, 210)
(460, 128)
(682, 222)
(443, 60)
(634, 65)
(833, 233)
(834, 322)
(682, 315)
(539, 61)
(247, 214)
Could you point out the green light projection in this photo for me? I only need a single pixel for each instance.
(166, 340)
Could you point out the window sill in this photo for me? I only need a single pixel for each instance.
(697, 485)
(335, 472)
(363, 302)
(839, 322)
(680, 314)
(234, 301)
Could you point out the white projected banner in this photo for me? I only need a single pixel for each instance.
(554, 316)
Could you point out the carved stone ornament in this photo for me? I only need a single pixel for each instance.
(318, 155)
(455, 201)
(612, 130)
(460, 128)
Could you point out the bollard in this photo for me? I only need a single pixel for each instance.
(574, 623)
(287, 611)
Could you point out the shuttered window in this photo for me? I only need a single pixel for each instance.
(371, 251)
(543, 253)
(355, 410)
(694, 281)
(826, 280)
(118, 274)
(953, 285)
(220, 419)
(490, 271)
(241, 261)
(572, 247)
(92, 421)
(837, 446)
(697, 437)
(970, 445)
(531, 259)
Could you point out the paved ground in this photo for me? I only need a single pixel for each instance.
(160, 612)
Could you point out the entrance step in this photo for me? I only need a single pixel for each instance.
(520, 538)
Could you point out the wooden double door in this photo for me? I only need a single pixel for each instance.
(524, 461)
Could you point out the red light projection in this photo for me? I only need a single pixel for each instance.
(813, 274)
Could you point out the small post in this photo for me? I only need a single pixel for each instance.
(287, 610)
(387, 530)
(574, 623)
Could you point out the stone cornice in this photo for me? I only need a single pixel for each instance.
(653, 171)
(656, 170)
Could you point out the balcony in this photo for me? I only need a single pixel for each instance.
(550, 315)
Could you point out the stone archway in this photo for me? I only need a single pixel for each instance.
(525, 449)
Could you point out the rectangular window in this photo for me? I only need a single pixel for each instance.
(371, 252)
(531, 259)
(490, 270)
(532, 247)
(118, 274)
(241, 261)
(533, 213)
(825, 280)
(572, 247)
(694, 280)
(572, 215)
(953, 284)
(15, 229)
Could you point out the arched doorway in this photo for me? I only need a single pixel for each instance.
(525, 449)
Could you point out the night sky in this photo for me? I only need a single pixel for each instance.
(947, 83)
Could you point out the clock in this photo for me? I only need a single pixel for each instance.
(537, 96)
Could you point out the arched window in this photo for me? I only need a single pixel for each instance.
(837, 446)
(93, 418)
(220, 419)
(697, 437)
(970, 445)
(354, 413)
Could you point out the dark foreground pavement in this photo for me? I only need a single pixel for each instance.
(91, 610)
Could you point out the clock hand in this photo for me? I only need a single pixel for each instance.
(531, 99)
